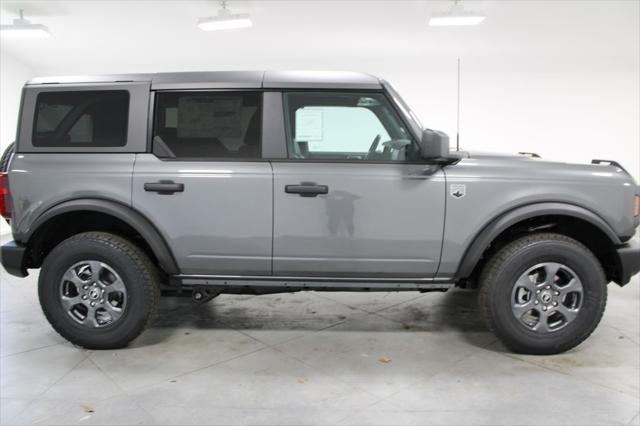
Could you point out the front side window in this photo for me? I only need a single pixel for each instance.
(81, 119)
(344, 126)
(207, 125)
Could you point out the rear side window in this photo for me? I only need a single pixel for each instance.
(81, 119)
(207, 125)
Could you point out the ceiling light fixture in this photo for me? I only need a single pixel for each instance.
(456, 16)
(22, 28)
(225, 20)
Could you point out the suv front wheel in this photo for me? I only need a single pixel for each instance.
(98, 290)
(543, 293)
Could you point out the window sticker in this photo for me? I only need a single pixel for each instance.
(208, 117)
(309, 125)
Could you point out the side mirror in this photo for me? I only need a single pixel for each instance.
(434, 144)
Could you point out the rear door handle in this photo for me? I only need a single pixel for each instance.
(164, 187)
(307, 189)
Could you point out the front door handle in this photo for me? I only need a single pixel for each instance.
(307, 189)
(164, 187)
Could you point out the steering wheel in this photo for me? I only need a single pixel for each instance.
(373, 147)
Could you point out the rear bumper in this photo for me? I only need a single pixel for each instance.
(13, 256)
(629, 261)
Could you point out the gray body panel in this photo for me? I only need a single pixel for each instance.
(40, 181)
(221, 223)
(496, 185)
(376, 220)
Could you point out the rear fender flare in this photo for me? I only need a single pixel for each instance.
(120, 211)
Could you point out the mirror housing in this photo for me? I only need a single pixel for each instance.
(434, 145)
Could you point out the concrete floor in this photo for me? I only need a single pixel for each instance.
(316, 358)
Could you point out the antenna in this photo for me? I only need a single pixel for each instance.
(458, 112)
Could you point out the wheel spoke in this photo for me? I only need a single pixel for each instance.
(525, 282)
(73, 277)
(543, 322)
(568, 314)
(574, 286)
(551, 270)
(90, 319)
(115, 313)
(117, 286)
(95, 269)
(520, 309)
(70, 302)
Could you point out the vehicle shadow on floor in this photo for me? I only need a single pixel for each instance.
(455, 312)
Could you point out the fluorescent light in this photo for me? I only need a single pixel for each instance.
(229, 22)
(443, 21)
(456, 16)
(225, 20)
(22, 28)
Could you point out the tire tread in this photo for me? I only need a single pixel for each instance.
(148, 274)
(488, 279)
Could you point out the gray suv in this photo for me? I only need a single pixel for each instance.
(125, 187)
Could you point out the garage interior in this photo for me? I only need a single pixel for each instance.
(561, 79)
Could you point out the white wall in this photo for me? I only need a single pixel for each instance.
(13, 75)
(558, 78)
(573, 116)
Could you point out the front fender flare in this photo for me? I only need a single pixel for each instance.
(484, 238)
(120, 211)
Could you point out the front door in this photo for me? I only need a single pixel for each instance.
(205, 186)
(350, 201)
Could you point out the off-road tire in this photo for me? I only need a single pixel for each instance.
(140, 277)
(4, 160)
(503, 269)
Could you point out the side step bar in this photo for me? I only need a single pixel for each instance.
(234, 283)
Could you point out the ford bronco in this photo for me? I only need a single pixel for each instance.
(125, 187)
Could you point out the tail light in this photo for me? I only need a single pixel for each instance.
(636, 206)
(5, 199)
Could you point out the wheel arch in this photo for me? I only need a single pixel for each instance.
(121, 213)
(540, 216)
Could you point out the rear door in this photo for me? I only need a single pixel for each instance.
(205, 185)
(352, 200)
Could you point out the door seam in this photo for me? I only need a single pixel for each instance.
(273, 212)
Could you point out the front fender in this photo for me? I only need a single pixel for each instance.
(483, 239)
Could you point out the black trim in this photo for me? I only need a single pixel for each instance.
(611, 163)
(628, 262)
(120, 211)
(307, 189)
(235, 283)
(19, 127)
(164, 187)
(484, 238)
(13, 256)
(151, 120)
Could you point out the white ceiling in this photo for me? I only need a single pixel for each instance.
(139, 36)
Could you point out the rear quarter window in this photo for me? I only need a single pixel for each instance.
(81, 119)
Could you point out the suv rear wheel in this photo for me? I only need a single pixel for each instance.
(98, 290)
(543, 293)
